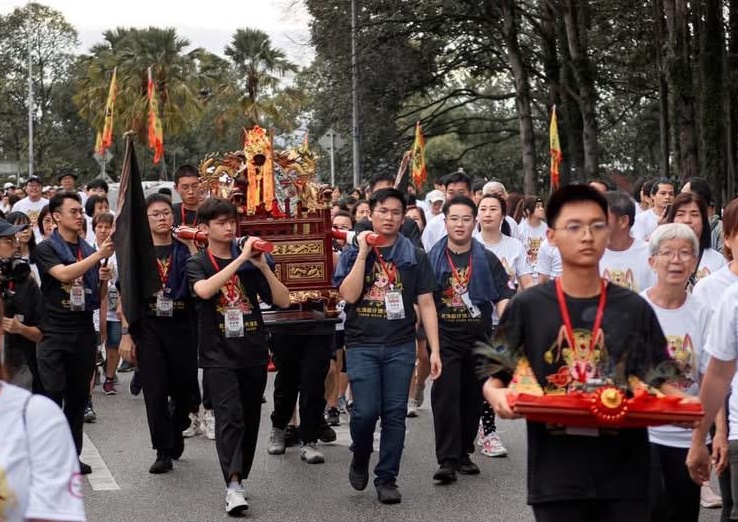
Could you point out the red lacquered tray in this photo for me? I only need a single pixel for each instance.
(606, 407)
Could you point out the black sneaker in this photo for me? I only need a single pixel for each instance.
(125, 366)
(84, 469)
(358, 474)
(291, 436)
(327, 434)
(179, 445)
(162, 464)
(387, 492)
(135, 385)
(445, 474)
(333, 417)
(467, 467)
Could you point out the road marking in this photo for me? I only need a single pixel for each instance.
(100, 479)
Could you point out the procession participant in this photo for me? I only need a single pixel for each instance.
(578, 474)
(46, 224)
(531, 218)
(662, 193)
(470, 282)
(701, 187)
(70, 274)
(381, 287)
(455, 184)
(625, 261)
(673, 250)
(232, 339)
(690, 209)
(511, 253)
(32, 204)
(67, 179)
(511, 202)
(549, 262)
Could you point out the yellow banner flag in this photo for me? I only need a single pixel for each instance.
(106, 139)
(555, 148)
(419, 171)
(156, 134)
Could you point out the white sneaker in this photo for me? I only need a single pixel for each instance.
(493, 447)
(310, 454)
(480, 435)
(208, 421)
(708, 498)
(235, 503)
(194, 428)
(412, 408)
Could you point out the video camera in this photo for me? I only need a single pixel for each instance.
(12, 270)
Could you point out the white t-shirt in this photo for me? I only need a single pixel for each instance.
(710, 289)
(549, 260)
(514, 229)
(32, 210)
(39, 468)
(686, 330)
(645, 223)
(434, 231)
(711, 262)
(511, 253)
(628, 268)
(532, 237)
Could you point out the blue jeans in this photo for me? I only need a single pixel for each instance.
(380, 380)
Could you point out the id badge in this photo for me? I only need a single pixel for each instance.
(473, 309)
(77, 296)
(233, 322)
(164, 305)
(394, 305)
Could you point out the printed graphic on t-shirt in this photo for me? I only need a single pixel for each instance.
(33, 216)
(680, 349)
(534, 244)
(620, 277)
(580, 360)
(240, 300)
(8, 498)
(701, 273)
(510, 272)
(454, 308)
(373, 304)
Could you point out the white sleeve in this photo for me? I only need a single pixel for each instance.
(433, 232)
(722, 341)
(522, 267)
(56, 483)
(544, 261)
(513, 226)
(705, 322)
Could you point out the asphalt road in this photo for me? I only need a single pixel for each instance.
(283, 488)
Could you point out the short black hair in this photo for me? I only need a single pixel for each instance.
(602, 182)
(478, 185)
(637, 187)
(457, 177)
(382, 176)
(214, 208)
(621, 204)
(57, 200)
(92, 201)
(343, 213)
(185, 171)
(459, 200)
(656, 183)
(701, 187)
(572, 194)
(158, 198)
(166, 191)
(98, 183)
(383, 195)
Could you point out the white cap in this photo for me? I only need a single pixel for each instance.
(8, 185)
(435, 195)
(46, 189)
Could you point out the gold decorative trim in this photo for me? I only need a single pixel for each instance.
(305, 271)
(298, 248)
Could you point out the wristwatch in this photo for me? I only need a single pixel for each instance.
(124, 330)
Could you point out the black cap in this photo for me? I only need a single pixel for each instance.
(37, 179)
(6, 229)
(64, 173)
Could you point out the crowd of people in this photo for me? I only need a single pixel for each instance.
(481, 291)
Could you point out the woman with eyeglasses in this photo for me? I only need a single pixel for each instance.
(674, 250)
(690, 209)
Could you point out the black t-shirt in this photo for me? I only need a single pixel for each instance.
(456, 326)
(190, 216)
(27, 304)
(58, 315)
(409, 229)
(217, 350)
(180, 307)
(366, 320)
(563, 466)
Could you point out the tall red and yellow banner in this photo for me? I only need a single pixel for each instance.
(555, 148)
(156, 135)
(419, 171)
(105, 139)
(257, 147)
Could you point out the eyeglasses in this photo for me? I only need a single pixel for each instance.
(166, 214)
(580, 229)
(10, 239)
(189, 188)
(683, 255)
(464, 220)
(393, 213)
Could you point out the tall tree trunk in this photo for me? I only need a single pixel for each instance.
(732, 75)
(522, 94)
(576, 21)
(679, 76)
(660, 48)
(571, 116)
(712, 96)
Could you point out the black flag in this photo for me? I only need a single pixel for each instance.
(134, 248)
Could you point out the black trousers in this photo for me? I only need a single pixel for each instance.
(167, 365)
(456, 400)
(674, 496)
(302, 364)
(621, 510)
(66, 362)
(236, 395)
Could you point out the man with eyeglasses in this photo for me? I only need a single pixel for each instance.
(470, 280)
(71, 273)
(579, 333)
(162, 346)
(455, 184)
(382, 286)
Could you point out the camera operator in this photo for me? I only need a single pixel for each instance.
(70, 283)
(23, 311)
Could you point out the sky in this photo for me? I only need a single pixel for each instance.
(206, 23)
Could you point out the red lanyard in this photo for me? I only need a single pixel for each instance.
(567, 318)
(164, 267)
(184, 220)
(390, 276)
(463, 284)
(79, 254)
(230, 285)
